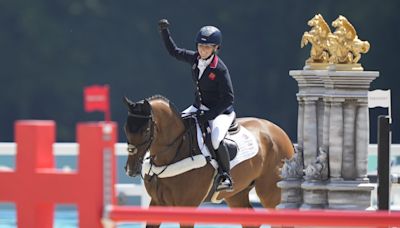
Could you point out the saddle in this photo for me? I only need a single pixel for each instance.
(241, 143)
(231, 145)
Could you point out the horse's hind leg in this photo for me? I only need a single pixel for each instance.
(267, 190)
(241, 199)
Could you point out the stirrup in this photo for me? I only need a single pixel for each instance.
(224, 183)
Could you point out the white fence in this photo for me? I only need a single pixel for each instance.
(120, 149)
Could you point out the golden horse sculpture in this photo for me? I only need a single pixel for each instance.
(318, 36)
(340, 47)
(345, 47)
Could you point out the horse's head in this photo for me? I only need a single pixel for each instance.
(339, 21)
(319, 26)
(344, 28)
(315, 20)
(139, 131)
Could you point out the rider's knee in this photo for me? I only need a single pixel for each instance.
(215, 142)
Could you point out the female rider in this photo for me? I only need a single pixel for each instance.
(214, 93)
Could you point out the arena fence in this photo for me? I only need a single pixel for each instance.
(155, 215)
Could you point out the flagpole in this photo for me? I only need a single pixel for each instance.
(107, 112)
(390, 107)
(107, 115)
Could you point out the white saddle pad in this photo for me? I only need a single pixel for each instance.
(247, 148)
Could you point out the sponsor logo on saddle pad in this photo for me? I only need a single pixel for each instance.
(247, 148)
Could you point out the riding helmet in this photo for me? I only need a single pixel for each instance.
(209, 35)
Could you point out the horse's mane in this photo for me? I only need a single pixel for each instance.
(135, 124)
(351, 33)
(166, 100)
(350, 28)
(325, 26)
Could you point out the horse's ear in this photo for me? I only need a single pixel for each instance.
(146, 107)
(130, 104)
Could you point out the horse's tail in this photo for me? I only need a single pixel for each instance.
(365, 47)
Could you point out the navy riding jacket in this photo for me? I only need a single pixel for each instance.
(214, 88)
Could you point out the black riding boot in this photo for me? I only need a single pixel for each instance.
(223, 179)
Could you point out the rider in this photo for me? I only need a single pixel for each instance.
(213, 94)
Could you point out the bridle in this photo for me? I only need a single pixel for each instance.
(149, 136)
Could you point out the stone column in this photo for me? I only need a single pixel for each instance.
(309, 131)
(326, 124)
(300, 126)
(362, 139)
(310, 137)
(348, 188)
(336, 139)
(348, 161)
(316, 170)
(320, 121)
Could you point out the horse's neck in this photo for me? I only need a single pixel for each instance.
(168, 138)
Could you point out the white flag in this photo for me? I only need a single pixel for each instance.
(379, 98)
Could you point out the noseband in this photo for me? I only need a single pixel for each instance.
(149, 136)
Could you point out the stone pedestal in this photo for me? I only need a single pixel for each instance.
(314, 195)
(292, 174)
(291, 195)
(333, 137)
(349, 195)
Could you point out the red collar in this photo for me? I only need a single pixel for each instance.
(214, 62)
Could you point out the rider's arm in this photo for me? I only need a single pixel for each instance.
(179, 53)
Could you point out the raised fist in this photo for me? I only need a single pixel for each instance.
(163, 24)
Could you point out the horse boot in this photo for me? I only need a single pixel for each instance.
(223, 179)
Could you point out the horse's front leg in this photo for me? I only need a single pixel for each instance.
(356, 57)
(305, 39)
(153, 225)
(186, 226)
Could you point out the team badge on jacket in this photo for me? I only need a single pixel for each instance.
(211, 76)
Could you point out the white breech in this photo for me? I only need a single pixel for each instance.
(219, 126)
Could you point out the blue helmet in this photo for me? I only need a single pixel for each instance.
(209, 35)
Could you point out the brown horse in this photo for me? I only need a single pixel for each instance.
(154, 125)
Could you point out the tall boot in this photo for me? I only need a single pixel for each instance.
(223, 179)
